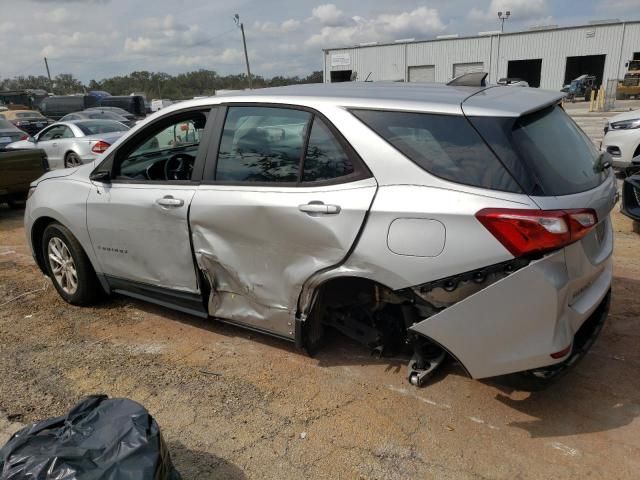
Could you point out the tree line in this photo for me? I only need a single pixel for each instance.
(154, 84)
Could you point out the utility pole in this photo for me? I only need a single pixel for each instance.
(46, 64)
(502, 18)
(236, 17)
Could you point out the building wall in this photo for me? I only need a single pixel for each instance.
(391, 62)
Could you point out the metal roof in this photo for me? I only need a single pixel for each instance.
(540, 29)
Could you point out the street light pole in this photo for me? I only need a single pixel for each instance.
(244, 43)
(502, 18)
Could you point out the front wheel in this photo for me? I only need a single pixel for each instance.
(71, 160)
(69, 267)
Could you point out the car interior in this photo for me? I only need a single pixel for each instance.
(167, 154)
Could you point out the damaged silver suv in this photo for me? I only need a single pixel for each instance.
(442, 220)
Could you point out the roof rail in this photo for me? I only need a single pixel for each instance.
(474, 79)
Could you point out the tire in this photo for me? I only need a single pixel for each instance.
(72, 264)
(71, 160)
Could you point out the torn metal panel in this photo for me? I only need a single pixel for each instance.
(257, 246)
(517, 322)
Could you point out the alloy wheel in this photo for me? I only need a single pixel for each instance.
(62, 265)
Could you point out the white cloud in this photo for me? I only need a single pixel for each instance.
(166, 23)
(521, 10)
(271, 28)
(328, 14)
(422, 21)
(138, 45)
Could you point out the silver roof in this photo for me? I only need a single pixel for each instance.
(494, 100)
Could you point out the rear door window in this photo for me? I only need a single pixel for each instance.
(325, 159)
(446, 146)
(262, 144)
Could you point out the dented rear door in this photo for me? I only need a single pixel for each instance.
(284, 197)
(257, 246)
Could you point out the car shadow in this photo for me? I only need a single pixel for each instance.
(196, 464)
(601, 393)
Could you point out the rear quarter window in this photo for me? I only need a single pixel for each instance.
(446, 146)
(553, 155)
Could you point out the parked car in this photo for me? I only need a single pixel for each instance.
(28, 121)
(69, 144)
(159, 104)
(630, 205)
(132, 104)
(58, 107)
(97, 115)
(118, 111)
(447, 220)
(622, 138)
(18, 168)
(9, 133)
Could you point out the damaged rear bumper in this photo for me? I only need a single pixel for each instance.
(518, 322)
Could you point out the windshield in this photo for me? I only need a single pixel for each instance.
(553, 154)
(94, 127)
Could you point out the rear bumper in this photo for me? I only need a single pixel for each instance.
(515, 324)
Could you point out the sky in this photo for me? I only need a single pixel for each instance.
(94, 39)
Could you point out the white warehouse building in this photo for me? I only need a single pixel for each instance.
(548, 57)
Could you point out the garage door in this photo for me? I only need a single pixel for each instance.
(422, 73)
(462, 68)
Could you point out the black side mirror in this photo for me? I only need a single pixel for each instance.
(102, 176)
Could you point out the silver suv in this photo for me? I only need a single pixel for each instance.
(426, 220)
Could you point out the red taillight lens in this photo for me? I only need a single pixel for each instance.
(100, 146)
(525, 232)
(24, 137)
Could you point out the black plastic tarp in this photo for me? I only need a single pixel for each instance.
(99, 439)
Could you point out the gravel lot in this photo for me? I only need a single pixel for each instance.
(236, 405)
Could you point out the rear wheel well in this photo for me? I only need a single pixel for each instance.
(361, 309)
(37, 230)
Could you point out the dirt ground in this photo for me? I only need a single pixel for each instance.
(234, 405)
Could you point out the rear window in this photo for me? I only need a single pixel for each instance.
(6, 125)
(446, 146)
(552, 154)
(94, 127)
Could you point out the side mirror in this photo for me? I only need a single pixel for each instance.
(101, 176)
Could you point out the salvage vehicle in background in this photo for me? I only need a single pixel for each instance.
(375, 210)
(133, 104)
(131, 118)
(18, 168)
(630, 203)
(622, 138)
(28, 121)
(58, 107)
(9, 133)
(69, 144)
(91, 114)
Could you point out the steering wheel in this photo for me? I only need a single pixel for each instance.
(178, 167)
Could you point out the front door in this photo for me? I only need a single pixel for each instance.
(138, 222)
(287, 198)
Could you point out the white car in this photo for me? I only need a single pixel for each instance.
(622, 138)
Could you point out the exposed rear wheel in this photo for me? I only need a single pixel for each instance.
(68, 266)
(72, 159)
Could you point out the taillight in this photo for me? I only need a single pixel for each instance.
(100, 146)
(525, 232)
(24, 137)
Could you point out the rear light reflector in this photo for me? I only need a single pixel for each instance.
(525, 232)
(100, 147)
(562, 353)
(24, 137)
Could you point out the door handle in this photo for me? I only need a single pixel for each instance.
(319, 208)
(54, 144)
(168, 201)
